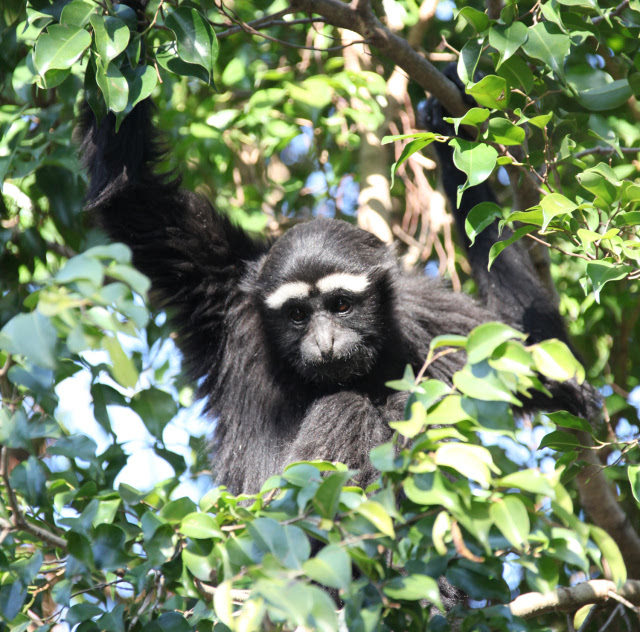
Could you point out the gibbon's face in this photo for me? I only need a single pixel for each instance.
(321, 300)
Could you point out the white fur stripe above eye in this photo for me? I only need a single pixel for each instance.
(287, 291)
(355, 283)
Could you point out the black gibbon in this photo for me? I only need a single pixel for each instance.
(292, 341)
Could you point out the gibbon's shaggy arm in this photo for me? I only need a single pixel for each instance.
(193, 255)
(511, 289)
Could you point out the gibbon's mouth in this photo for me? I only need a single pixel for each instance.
(337, 369)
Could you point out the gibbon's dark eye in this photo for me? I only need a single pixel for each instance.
(341, 306)
(298, 315)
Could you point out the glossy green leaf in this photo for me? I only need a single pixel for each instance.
(533, 481)
(113, 86)
(549, 44)
(197, 43)
(491, 91)
(477, 19)
(330, 567)
(111, 36)
(124, 370)
(504, 132)
(485, 338)
(60, 47)
(554, 359)
(476, 160)
(472, 461)
(378, 516)
(156, 409)
(77, 13)
(507, 39)
(480, 217)
(510, 516)
(559, 440)
(601, 272)
(33, 336)
(612, 554)
(200, 525)
(499, 246)
(414, 588)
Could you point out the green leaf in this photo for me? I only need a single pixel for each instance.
(176, 510)
(113, 85)
(383, 457)
(477, 160)
(223, 605)
(200, 525)
(478, 20)
(517, 74)
(601, 272)
(611, 553)
(197, 43)
(549, 44)
(60, 47)
(503, 131)
(377, 515)
(156, 409)
(481, 382)
(327, 498)
(81, 268)
(553, 205)
(468, 60)
(414, 588)
(559, 440)
(533, 481)
(472, 461)
(499, 246)
(510, 516)
(633, 472)
(77, 13)
(167, 57)
(414, 424)
(287, 544)
(480, 217)
(491, 91)
(507, 39)
(33, 336)
(410, 149)
(330, 567)
(567, 420)
(486, 338)
(29, 479)
(108, 548)
(554, 359)
(141, 81)
(123, 368)
(111, 36)
(474, 116)
(607, 97)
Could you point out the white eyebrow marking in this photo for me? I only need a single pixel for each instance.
(294, 289)
(343, 281)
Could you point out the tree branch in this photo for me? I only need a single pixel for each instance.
(359, 17)
(571, 599)
(599, 501)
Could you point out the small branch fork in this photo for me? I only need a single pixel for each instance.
(18, 521)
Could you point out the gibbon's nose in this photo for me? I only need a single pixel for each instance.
(322, 333)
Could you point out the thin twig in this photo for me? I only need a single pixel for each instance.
(19, 521)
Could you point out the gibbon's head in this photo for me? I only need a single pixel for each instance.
(324, 293)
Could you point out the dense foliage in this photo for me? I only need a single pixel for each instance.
(277, 115)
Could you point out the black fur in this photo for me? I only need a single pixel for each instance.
(272, 403)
